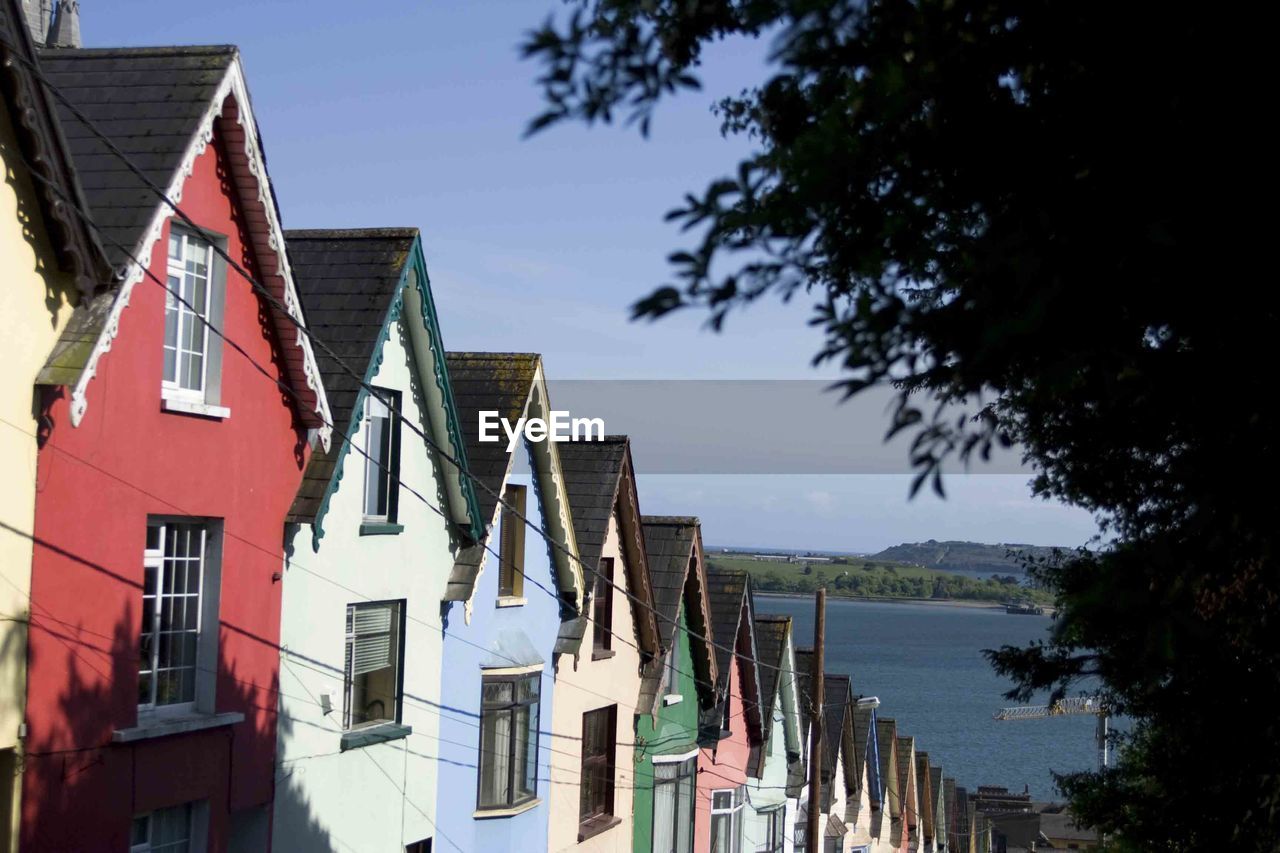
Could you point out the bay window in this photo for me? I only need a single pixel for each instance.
(508, 758)
(726, 819)
(674, 785)
(775, 829)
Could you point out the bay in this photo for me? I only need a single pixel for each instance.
(925, 664)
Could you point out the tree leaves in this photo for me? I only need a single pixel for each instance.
(1019, 213)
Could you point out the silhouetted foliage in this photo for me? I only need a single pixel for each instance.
(1023, 214)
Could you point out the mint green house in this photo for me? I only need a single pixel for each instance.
(673, 690)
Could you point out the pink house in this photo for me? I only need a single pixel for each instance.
(732, 727)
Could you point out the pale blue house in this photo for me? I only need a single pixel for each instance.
(510, 609)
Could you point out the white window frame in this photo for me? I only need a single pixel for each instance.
(204, 668)
(176, 267)
(387, 466)
(671, 676)
(197, 830)
(737, 803)
(777, 816)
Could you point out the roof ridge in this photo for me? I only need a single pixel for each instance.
(482, 354)
(349, 233)
(681, 520)
(151, 50)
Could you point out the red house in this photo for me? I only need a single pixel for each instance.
(168, 464)
(734, 728)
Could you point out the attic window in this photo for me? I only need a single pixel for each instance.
(511, 549)
(381, 446)
(195, 291)
(602, 608)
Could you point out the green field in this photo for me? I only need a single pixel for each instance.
(874, 578)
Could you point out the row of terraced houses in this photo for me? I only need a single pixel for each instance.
(265, 588)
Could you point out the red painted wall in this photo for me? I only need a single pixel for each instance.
(725, 766)
(97, 484)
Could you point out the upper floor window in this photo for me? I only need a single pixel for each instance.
(372, 680)
(178, 650)
(511, 546)
(509, 740)
(194, 297)
(602, 607)
(595, 788)
(382, 455)
(726, 819)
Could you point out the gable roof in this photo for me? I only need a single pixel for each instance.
(600, 480)
(775, 647)
(837, 729)
(512, 384)
(863, 719)
(771, 643)
(733, 628)
(354, 287)
(161, 106)
(44, 150)
(924, 794)
(678, 576)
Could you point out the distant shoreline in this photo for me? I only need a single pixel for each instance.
(936, 602)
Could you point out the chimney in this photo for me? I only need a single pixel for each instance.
(65, 31)
(38, 15)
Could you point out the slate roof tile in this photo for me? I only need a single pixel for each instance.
(348, 313)
(149, 102)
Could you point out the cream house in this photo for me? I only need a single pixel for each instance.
(598, 689)
(49, 259)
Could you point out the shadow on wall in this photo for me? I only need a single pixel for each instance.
(79, 785)
(58, 290)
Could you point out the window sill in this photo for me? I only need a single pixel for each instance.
(672, 699)
(510, 601)
(602, 654)
(180, 406)
(487, 814)
(597, 825)
(176, 725)
(370, 735)
(380, 528)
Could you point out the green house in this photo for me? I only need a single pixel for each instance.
(673, 690)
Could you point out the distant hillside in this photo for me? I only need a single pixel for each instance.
(961, 556)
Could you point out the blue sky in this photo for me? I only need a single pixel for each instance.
(401, 113)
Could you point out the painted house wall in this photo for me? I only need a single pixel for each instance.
(472, 645)
(98, 484)
(857, 814)
(353, 799)
(674, 732)
(725, 765)
(35, 303)
(595, 684)
(769, 791)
